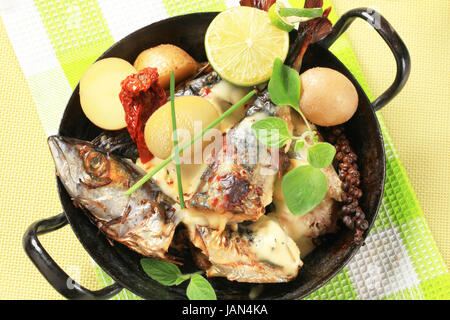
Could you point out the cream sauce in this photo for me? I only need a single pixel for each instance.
(223, 95)
(272, 245)
(292, 225)
(166, 178)
(215, 220)
(299, 227)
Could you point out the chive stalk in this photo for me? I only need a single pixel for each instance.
(175, 139)
(145, 178)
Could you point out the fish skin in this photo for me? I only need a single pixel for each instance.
(118, 143)
(97, 181)
(195, 86)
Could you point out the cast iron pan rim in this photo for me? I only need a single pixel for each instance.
(331, 274)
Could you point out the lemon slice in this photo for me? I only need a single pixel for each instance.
(241, 44)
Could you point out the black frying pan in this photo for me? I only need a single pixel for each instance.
(321, 265)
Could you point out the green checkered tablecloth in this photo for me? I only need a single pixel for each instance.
(57, 40)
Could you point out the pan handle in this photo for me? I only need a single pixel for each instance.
(389, 35)
(65, 285)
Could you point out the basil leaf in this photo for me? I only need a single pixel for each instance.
(321, 155)
(272, 132)
(299, 145)
(200, 289)
(303, 189)
(164, 272)
(284, 85)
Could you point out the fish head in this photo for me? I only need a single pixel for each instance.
(144, 221)
(79, 164)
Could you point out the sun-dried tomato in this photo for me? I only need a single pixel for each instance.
(141, 95)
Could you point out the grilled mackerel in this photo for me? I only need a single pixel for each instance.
(259, 252)
(97, 181)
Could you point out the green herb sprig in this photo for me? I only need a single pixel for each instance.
(175, 139)
(301, 12)
(154, 171)
(285, 87)
(169, 274)
(304, 187)
(286, 18)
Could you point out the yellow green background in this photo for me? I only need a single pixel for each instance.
(418, 121)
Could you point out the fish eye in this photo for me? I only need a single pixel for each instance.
(95, 163)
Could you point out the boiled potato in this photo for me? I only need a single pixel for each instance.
(328, 98)
(99, 92)
(165, 58)
(158, 129)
